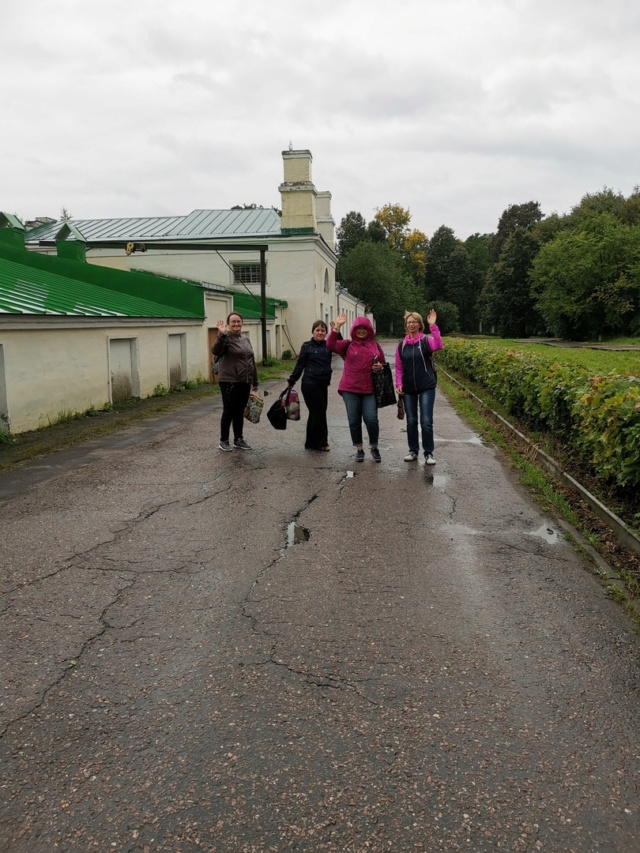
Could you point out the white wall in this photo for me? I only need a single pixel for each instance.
(295, 273)
(51, 371)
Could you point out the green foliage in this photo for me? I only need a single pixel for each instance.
(517, 217)
(598, 417)
(448, 316)
(351, 231)
(160, 390)
(586, 281)
(286, 354)
(5, 436)
(376, 275)
(510, 308)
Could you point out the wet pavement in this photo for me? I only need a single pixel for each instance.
(285, 650)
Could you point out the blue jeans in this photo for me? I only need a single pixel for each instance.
(426, 400)
(362, 407)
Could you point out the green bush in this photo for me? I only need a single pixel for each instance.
(598, 417)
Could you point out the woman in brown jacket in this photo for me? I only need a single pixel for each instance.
(237, 375)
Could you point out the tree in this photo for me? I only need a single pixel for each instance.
(478, 251)
(448, 316)
(351, 231)
(395, 221)
(441, 247)
(586, 281)
(376, 232)
(516, 216)
(605, 201)
(375, 274)
(512, 308)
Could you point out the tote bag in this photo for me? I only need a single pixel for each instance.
(383, 387)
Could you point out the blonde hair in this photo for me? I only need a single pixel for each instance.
(415, 316)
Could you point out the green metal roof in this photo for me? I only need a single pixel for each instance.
(37, 284)
(249, 305)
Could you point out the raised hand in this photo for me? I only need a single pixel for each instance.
(222, 327)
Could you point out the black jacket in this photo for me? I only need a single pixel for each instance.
(315, 361)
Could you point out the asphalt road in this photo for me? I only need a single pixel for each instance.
(433, 669)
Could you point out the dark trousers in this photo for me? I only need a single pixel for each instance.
(316, 398)
(235, 396)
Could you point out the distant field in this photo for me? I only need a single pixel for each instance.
(626, 362)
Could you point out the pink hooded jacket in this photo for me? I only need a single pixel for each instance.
(358, 358)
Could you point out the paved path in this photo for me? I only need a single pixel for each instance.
(433, 670)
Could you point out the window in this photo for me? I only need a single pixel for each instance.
(246, 273)
(326, 281)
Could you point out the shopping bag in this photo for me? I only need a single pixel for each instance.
(253, 409)
(383, 387)
(277, 414)
(293, 406)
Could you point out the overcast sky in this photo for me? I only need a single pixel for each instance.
(454, 109)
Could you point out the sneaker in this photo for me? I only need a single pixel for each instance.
(411, 457)
(375, 454)
(360, 455)
(428, 459)
(224, 445)
(241, 444)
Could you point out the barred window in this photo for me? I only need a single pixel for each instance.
(246, 273)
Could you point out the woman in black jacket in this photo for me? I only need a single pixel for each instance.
(314, 365)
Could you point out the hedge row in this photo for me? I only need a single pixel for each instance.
(597, 416)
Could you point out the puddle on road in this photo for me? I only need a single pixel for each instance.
(438, 481)
(296, 534)
(551, 536)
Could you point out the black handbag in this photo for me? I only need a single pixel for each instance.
(277, 413)
(383, 386)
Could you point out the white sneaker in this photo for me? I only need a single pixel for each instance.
(411, 457)
(429, 460)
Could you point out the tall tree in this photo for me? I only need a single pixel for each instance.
(516, 216)
(513, 311)
(375, 274)
(351, 231)
(586, 280)
(395, 221)
(442, 245)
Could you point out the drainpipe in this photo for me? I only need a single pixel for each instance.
(263, 303)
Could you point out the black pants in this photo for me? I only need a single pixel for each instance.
(235, 396)
(316, 398)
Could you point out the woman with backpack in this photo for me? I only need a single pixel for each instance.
(416, 380)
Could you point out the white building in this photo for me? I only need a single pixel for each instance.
(219, 249)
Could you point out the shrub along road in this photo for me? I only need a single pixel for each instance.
(433, 669)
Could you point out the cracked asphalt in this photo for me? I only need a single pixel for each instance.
(434, 669)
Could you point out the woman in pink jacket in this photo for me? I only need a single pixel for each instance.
(362, 355)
